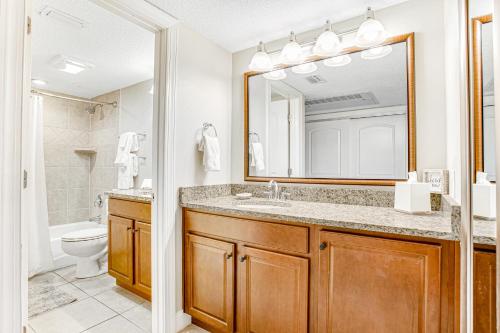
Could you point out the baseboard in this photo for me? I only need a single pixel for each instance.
(182, 320)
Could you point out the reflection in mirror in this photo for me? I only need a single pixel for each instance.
(487, 107)
(484, 187)
(345, 117)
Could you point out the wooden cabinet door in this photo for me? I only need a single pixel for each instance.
(121, 249)
(142, 252)
(273, 292)
(377, 285)
(484, 292)
(209, 269)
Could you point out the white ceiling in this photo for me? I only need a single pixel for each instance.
(239, 24)
(122, 52)
(384, 77)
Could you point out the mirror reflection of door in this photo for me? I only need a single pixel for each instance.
(488, 107)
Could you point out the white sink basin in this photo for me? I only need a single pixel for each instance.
(262, 204)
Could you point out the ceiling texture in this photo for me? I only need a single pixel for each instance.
(121, 53)
(239, 24)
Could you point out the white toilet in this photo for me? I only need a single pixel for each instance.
(88, 245)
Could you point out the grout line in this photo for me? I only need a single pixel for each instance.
(102, 322)
(140, 328)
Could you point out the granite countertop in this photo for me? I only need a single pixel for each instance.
(132, 194)
(380, 219)
(485, 231)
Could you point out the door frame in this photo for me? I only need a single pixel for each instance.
(15, 68)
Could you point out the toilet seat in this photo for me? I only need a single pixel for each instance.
(85, 235)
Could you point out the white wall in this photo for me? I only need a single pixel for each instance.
(425, 18)
(136, 115)
(203, 95)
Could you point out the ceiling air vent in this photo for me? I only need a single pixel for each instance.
(342, 102)
(315, 79)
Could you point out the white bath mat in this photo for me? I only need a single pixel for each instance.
(44, 298)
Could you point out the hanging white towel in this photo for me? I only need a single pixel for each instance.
(257, 156)
(128, 143)
(211, 152)
(126, 172)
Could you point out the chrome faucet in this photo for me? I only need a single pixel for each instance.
(274, 191)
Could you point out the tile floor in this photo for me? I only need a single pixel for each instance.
(100, 307)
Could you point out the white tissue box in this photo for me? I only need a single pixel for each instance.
(413, 197)
(484, 198)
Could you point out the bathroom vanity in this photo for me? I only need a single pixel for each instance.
(129, 242)
(318, 267)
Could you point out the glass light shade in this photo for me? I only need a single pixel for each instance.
(261, 62)
(292, 52)
(328, 44)
(306, 68)
(370, 33)
(376, 52)
(275, 75)
(337, 61)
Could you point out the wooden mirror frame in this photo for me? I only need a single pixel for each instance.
(477, 67)
(412, 160)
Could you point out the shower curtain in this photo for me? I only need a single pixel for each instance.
(35, 200)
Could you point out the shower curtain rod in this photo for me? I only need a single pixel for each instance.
(39, 92)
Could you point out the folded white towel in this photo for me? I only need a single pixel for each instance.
(128, 143)
(126, 172)
(257, 156)
(211, 152)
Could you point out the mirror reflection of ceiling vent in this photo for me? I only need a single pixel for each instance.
(341, 102)
(315, 79)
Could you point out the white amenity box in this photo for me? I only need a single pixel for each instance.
(413, 197)
(484, 200)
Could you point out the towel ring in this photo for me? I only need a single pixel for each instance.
(206, 126)
(254, 134)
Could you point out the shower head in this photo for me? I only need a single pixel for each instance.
(91, 108)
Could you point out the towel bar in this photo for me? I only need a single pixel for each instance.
(206, 126)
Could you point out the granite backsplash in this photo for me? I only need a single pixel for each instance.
(337, 194)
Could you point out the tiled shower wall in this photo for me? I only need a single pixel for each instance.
(66, 126)
(104, 136)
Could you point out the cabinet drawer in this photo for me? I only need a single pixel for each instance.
(273, 235)
(136, 210)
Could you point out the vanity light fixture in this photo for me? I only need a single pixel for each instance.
(306, 68)
(337, 61)
(261, 61)
(275, 75)
(38, 82)
(371, 32)
(376, 52)
(328, 43)
(292, 52)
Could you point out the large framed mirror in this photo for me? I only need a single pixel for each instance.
(484, 108)
(349, 119)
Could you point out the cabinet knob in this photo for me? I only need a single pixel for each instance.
(322, 246)
(229, 256)
(243, 258)
(129, 228)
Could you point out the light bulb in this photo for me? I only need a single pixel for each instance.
(292, 52)
(337, 61)
(328, 43)
(261, 61)
(371, 32)
(306, 68)
(275, 75)
(376, 52)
